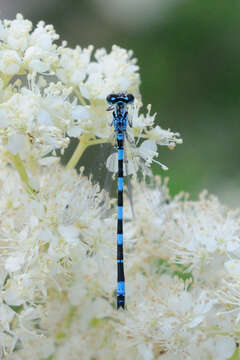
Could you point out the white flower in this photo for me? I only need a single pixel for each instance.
(58, 230)
(80, 113)
(59, 253)
(209, 232)
(143, 126)
(164, 137)
(14, 263)
(233, 267)
(43, 36)
(3, 119)
(36, 122)
(16, 144)
(69, 233)
(10, 62)
(220, 347)
(73, 64)
(148, 150)
(11, 296)
(76, 293)
(180, 303)
(16, 33)
(79, 116)
(145, 351)
(33, 57)
(113, 72)
(24, 51)
(45, 116)
(165, 321)
(6, 316)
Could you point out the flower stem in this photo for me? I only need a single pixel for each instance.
(80, 97)
(6, 79)
(97, 141)
(84, 142)
(82, 145)
(16, 160)
(235, 356)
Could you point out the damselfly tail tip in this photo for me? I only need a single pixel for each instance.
(120, 304)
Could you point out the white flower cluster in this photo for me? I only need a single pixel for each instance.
(23, 50)
(57, 247)
(38, 117)
(58, 274)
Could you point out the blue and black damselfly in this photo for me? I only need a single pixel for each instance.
(118, 103)
(127, 160)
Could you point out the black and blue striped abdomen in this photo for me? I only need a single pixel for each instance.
(121, 278)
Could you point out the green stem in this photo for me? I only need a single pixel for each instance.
(16, 160)
(235, 355)
(82, 145)
(97, 141)
(80, 97)
(6, 80)
(84, 142)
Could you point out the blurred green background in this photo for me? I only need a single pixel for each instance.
(189, 55)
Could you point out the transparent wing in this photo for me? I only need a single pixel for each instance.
(96, 195)
(83, 195)
(144, 154)
(130, 164)
(129, 186)
(136, 157)
(112, 162)
(129, 167)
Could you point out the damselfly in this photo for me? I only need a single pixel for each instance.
(128, 159)
(118, 103)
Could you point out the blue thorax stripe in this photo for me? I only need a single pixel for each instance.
(120, 261)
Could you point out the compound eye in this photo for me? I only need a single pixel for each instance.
(111, 99)
(130, 98)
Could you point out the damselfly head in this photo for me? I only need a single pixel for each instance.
(121, 97)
